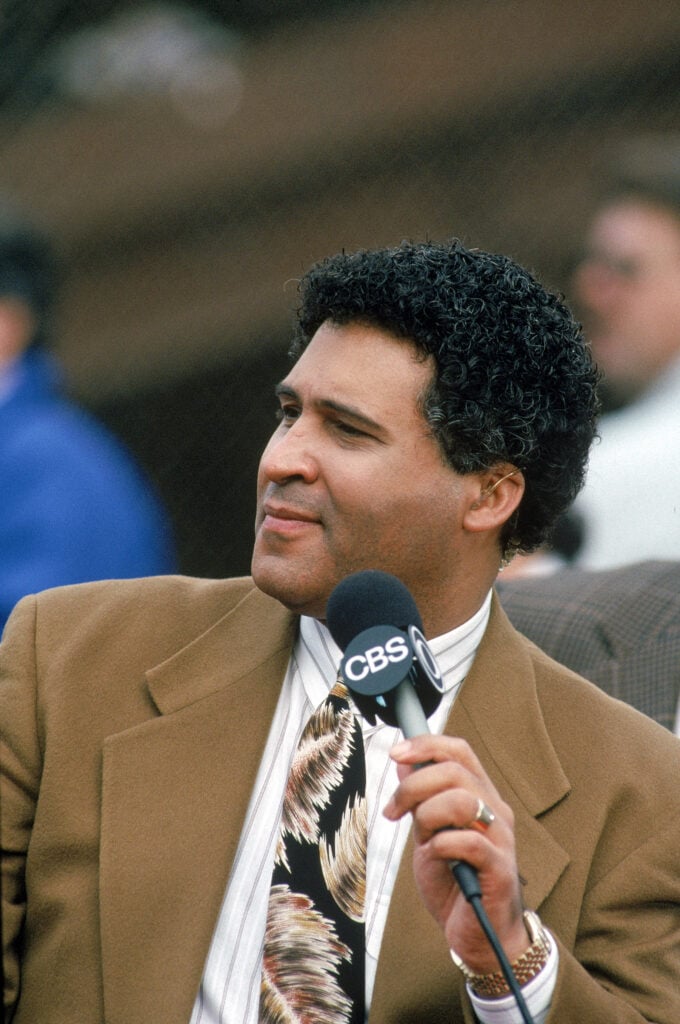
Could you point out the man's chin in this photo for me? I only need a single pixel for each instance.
(289, 585)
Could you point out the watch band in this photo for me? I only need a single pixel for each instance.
(525, 968)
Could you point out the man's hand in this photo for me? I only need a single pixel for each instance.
(441, 784)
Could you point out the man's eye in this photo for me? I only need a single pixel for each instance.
(287, 413)
(347, 428)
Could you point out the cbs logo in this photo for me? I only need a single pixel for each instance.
(377, 658)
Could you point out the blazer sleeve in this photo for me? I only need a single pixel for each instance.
(20, 771)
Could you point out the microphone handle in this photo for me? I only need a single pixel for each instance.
(412, 722)
(409, 711)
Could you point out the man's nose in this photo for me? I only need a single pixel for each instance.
(291, 454)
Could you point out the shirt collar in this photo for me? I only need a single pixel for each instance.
(318, 656)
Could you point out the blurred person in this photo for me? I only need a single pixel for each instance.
(627, 288)
(73, 505)
(620, 628)
(437, 417)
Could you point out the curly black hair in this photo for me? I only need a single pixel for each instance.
(514, 378)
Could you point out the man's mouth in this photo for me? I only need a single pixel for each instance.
(286, 519)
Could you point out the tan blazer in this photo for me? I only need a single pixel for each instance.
(133, 719)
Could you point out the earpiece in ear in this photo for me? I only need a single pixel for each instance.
(490, 488)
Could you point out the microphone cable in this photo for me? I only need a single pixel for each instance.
(468, 883)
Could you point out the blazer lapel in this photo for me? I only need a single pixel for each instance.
(497, 711)
(174, 794)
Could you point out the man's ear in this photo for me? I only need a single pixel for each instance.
(17, 327)
(501, 489)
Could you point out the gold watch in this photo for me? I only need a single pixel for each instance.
(526, 967)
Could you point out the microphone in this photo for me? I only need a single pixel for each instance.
(391, 672)
(387, 665)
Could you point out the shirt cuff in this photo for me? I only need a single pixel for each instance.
(537, 995)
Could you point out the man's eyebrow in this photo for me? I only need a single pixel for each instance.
(284, 390)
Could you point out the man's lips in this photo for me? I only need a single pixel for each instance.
(286, 519)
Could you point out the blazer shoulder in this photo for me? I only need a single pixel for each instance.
(155, 613)
(168, 590)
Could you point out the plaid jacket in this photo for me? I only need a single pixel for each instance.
(619, 628)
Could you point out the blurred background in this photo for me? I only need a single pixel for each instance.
(190, 160)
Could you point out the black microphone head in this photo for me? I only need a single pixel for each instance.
(369, 598)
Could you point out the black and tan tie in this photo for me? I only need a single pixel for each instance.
(314, 951)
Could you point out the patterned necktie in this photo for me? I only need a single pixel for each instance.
(313, 966)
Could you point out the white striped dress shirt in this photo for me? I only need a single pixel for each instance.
(230, 988)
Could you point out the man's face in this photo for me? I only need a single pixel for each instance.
(628, 291)
(352, 477)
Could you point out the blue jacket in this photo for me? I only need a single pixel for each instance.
(73, 506)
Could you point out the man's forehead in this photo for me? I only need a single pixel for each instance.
(360, 369)
(358, 342)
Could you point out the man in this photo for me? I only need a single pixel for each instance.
(74, 507)
(628, 291)
(620, 628)
(438, 417)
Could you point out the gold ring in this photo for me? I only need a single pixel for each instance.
(483, 818)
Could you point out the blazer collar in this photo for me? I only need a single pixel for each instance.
(248, 636)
